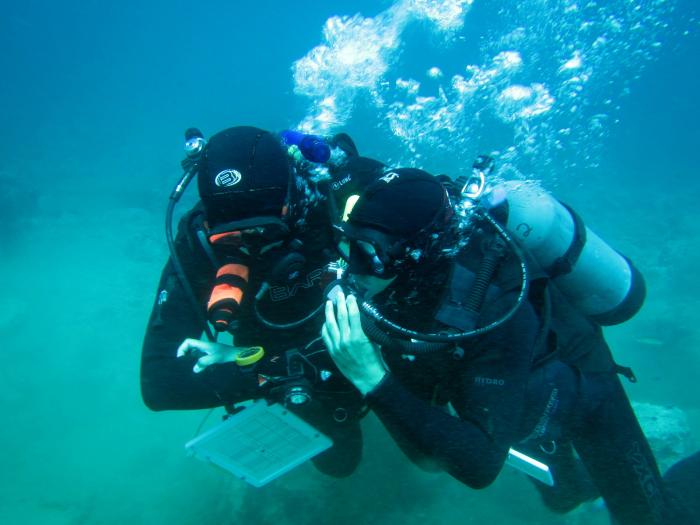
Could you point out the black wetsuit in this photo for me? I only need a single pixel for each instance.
(296, 354)
(542, 391)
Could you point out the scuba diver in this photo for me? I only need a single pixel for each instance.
(251, 258)
(469, 317)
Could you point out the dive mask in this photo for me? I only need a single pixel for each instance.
(368, 251)
(253, 236)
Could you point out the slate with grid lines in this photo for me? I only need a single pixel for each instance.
(259, 443)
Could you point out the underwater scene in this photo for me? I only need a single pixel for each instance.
(595, 101)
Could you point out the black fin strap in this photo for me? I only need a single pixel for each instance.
(564, 264)
(627, 372)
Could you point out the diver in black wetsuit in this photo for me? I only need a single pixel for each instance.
(481, 353)
(254, 252)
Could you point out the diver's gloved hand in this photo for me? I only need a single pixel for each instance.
(214, 353)
(357, 358)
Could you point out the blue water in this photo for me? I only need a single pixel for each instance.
(94, 99)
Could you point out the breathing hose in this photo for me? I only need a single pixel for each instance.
(281, 326)
(194, 141)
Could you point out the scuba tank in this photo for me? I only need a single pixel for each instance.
(600, 282)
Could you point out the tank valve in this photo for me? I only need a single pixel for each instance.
(194, 142)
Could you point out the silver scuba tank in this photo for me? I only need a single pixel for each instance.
(602, 283)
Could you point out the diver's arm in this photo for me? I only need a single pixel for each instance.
(473, 446)
(169, 383)
(460, 447)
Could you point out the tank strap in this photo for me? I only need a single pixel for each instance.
(545, 340)
(564, 264)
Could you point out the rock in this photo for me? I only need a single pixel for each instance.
(667, 430)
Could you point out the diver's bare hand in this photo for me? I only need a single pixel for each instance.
(356, 356)
(214, 353)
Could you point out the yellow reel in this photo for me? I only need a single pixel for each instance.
(251, 355)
